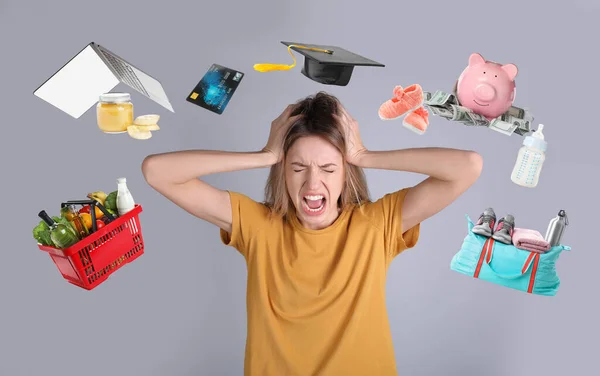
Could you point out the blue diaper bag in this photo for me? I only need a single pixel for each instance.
(507, 265)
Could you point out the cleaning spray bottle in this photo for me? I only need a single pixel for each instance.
(529, 162)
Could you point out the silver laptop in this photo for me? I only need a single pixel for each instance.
(77, 86)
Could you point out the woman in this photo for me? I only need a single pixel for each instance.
(318, 249)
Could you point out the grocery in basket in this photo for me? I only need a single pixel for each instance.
(92, 238)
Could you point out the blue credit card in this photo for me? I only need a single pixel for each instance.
(216, 88)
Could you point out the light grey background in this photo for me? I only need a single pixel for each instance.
(180, 308)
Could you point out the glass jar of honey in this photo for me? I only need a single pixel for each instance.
(114, 112)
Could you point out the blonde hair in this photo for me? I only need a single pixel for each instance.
(317, 120)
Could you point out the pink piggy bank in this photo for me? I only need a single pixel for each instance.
(486, 87)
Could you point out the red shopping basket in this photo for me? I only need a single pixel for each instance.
(94, 258)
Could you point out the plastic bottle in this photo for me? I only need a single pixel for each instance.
(530, 160)
(125, 201)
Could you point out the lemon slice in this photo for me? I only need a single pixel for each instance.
(146, 120)
(139, 133)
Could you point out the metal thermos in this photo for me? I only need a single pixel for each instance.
(556, 228)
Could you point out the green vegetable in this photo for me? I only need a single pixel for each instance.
(66, 222)
(111, 202)
(41, 233)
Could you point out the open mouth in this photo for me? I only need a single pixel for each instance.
(313, 203)
(482, 105)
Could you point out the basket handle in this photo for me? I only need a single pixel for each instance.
(93, 204)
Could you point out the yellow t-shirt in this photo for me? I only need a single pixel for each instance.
(316, 298)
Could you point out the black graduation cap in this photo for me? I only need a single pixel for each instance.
(333, 67)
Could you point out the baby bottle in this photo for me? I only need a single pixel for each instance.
(531, 157)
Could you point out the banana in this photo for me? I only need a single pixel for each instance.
(146, 120)
(142, 126)
(149, 127)
(98, 196)
(139, 132)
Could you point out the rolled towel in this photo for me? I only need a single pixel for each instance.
(530, 240)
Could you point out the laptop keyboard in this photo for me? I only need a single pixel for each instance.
(126, 74)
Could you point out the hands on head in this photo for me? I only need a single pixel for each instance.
(280, 126)
(279, 129)
(354, 146)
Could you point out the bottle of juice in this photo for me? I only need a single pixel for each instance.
(72, 215)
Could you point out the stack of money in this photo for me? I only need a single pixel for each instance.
(446, 105)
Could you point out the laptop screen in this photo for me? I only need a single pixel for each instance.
(75, 88)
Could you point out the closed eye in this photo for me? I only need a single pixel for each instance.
(328, 171)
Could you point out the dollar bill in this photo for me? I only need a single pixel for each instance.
(469, 118)
(439, 98)
(478, 120)
(515, 120)
(526, 126)
(516, 112)
(460, 114)
(442, 112)
(426, 97)
(445, 105)
(523, 124)
(502, 126)
(509, 124)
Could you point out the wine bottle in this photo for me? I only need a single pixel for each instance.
(61, 235)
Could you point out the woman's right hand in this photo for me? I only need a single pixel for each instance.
(279, 128)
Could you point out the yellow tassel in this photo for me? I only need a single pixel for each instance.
(274, 67)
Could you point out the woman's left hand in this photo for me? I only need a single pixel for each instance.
(354, 146)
